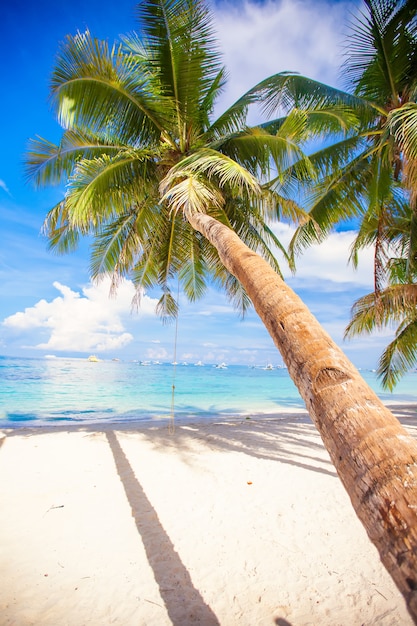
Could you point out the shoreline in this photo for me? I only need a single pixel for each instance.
(238, 521)
(403, 410)
(42, 393)
(156, 422)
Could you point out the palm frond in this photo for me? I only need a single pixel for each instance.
(341, 156)
(278, 206)
(181, 46)
(399, 356)
(233, 120)
(381, 49)
(397, 302)
(101, 90)
(257, 151)
(320, 122)
(337, 197)
(62, 236)
(208, 102)
(116, 248)
(167, 307)
(397, 221)
(412, 251)
(169, 263)
(146, 271)
(190, 195)
(282, 92)
(237, 295)
(228, 123)
(246, 216)
(403, 124)
(100, 187)
(216, 167)
(47, 163)
(193, 271)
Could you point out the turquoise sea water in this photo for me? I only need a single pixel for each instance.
(38, 392)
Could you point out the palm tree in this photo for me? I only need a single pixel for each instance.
(396, 304)
(361, 174)
(165, 191)
(370, 173)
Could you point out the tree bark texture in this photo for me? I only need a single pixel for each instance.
(375, 458)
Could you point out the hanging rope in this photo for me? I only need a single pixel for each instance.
(171, 427)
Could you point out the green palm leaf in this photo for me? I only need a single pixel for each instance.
(193, 272)
(117, 247)
(100, 90)
(399, 356)
(403, 124)
(381, 54)
(182, 50)
(282, 92)
(102, 186)
(396, 302)
(201, 177)
(190, 195)
(62, 237)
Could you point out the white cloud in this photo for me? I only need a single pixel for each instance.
(261, 39)
(328, 262)
(216, 309)
(159, 354)
(4, 187)
(85, 322)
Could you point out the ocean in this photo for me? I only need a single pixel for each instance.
(59, 391)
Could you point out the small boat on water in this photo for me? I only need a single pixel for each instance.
(93, 359)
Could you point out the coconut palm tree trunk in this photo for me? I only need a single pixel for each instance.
(374, 456)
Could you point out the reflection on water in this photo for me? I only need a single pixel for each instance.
(39, 391)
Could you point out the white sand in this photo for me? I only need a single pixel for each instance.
(238, 523)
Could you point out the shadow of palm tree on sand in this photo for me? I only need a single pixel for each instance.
(183, 602)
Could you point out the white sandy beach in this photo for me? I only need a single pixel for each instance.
(241, 522)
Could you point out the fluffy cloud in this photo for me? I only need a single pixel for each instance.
(259, 39)
(82, 322)
(328, 263)
(159, 354)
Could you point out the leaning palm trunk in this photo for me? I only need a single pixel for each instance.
(374, 456)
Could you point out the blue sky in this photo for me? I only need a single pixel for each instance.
(47, 303)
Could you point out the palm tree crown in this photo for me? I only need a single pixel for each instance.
(140, 150)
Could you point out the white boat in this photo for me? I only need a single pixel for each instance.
(221, 366)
